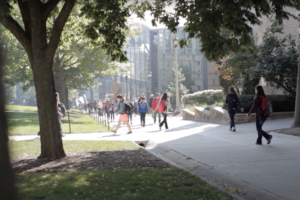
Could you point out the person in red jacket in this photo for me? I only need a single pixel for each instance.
(155, 102)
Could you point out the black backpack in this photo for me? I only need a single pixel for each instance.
(233, 102)
(127, 108)
(62, 108)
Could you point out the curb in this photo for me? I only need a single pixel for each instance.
(212, 176)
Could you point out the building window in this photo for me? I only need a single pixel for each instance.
(280, 21)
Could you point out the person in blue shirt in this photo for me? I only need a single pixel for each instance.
(142, 110)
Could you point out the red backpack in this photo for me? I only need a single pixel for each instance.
(265, 107)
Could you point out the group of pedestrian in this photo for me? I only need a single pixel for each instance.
(156, 106)
(261, 106)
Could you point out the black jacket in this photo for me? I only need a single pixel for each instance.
(230, 97)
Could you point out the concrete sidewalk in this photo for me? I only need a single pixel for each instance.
(221, 157)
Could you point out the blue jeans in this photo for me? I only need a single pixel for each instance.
(231, 115)
(112, 115)
(260, 132)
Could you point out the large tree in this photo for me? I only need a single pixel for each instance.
(7, 188)
(108, 20)
(207, 21)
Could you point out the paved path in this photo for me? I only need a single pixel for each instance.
(221, 157)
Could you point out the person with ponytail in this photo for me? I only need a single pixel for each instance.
(261, 115)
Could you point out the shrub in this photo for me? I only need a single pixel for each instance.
(206, 97)
(280, 103)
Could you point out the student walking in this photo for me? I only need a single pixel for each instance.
(232, 101)
(123, 115)
(143, 109)
(163, 107)
(259, 106)
(155, 102)
(112, 108)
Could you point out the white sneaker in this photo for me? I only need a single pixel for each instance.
(233, 129)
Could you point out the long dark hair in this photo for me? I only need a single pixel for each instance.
(260, 91)
(164, 96)
(232, 90)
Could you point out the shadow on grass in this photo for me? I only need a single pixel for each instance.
(92, 160)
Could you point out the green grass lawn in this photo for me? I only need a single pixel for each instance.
(21, 108)
(25, 148)
(129, 184)
(28, 124)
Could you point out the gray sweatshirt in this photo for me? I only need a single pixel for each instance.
(121, 108)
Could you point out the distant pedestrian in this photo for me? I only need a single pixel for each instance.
(150, 103)
(163, 107)
(259, 106)
(131, 111)
(155, 102)
(233, 102)
(123, 115)
(112, 108)
(143, 109)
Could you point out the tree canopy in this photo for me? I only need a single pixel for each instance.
(208, 20)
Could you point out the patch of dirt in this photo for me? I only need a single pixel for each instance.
(289, 131)
(93, 160)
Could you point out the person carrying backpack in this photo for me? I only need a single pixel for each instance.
(262, 107)
(123, 115)
(143, 109)
(162, 107)
(232, 101)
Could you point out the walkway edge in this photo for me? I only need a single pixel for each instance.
(211, 175)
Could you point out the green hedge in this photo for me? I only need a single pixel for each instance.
(206, 97)
(280, 103)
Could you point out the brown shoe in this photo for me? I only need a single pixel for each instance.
(129, 132)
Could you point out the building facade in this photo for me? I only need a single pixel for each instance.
(152, 52)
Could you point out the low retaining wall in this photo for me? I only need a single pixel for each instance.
(218, 115)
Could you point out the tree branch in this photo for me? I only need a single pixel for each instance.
(14, 27)
(64, 66)
(68, 59)
(58, 27)
(49, 6)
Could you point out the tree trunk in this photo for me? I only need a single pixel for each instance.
(67, 98)
(297, 104)
(51, 142)
(7, 188)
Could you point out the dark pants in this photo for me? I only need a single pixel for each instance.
(112, 115)
(143, 117)
(231, 115)
(130, 117)
(261, 133)
(154, 116)
(164, 121)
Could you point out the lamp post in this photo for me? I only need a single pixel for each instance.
(126, 92)
(149, 79)
(175, 43)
